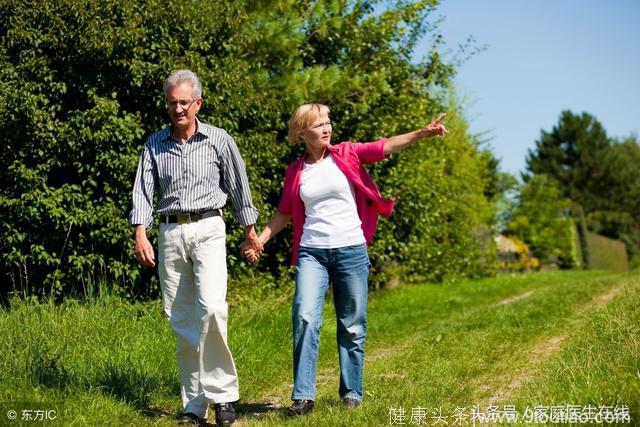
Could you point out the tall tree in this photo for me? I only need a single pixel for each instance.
(618, 217)
(572, 154)
(599, 173)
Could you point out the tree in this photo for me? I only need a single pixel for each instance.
(618, 219)
(572, 154)
(600, 174)
(541, 220)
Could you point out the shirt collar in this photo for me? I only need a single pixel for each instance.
(198, 130)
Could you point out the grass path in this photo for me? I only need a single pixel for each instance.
(433, 351)
(464, 357)
(544, 350)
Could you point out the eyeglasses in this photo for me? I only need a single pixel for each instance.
(184, 104)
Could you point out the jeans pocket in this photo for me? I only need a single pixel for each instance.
(359, 253)
(362, 247)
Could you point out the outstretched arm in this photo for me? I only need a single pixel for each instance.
(400, 142)
(277, 222)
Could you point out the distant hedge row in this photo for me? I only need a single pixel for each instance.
(606, 253)
(81, 86)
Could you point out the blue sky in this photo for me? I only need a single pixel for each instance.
(542, 57)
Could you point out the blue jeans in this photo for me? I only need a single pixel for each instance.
(347, 269)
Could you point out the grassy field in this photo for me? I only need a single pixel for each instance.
(477, 351)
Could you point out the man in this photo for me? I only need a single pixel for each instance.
(194, 167)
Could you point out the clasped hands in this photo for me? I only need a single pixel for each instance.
(252, 248)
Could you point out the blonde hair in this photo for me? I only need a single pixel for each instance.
(303, 117)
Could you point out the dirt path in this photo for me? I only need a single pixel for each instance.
(544, 350)
(516, 298)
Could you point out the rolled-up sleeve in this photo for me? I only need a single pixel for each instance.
(143, 190)
(236, 183)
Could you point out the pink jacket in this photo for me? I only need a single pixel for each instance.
(349, 157)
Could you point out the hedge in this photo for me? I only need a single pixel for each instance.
(81, 86)
(606, 253)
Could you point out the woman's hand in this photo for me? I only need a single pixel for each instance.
(435, 128)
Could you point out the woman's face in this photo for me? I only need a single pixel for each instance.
(318, 134)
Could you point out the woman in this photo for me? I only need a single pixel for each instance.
(334, 205)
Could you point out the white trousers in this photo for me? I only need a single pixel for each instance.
(193, 277)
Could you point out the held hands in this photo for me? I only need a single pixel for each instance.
(435, 128)
(252, 247)
(250, 252)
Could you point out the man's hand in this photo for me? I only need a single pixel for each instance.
(252, 246)
(143, 249)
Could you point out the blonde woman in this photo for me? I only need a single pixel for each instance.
(334, 205)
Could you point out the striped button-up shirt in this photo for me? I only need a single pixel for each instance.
(191, 177)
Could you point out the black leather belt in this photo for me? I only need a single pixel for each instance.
(186, 217)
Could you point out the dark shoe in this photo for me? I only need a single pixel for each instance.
(225, 414)
(189, 418)
(351, 403)
(301, 407)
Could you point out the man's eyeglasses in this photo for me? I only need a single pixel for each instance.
(185, 105)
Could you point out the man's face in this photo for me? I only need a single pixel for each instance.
(181, 106)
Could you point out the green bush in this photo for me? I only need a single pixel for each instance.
(541, 220)
(81, 88)
(440, 229)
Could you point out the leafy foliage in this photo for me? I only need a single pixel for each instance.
(514, 255)
(81, 87)
(541, 219)
(599, 173)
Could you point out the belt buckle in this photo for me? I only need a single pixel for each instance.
(184, 218)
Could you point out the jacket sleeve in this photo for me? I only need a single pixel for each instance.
(370, 152)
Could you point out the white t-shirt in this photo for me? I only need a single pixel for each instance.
(330, 206)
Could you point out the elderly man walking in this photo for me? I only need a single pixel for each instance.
(194, 167)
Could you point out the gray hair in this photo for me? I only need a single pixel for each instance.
(179, 76)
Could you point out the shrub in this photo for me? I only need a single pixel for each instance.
(541, 220)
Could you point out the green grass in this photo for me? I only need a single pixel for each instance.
(599, 365)
(437, 347)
